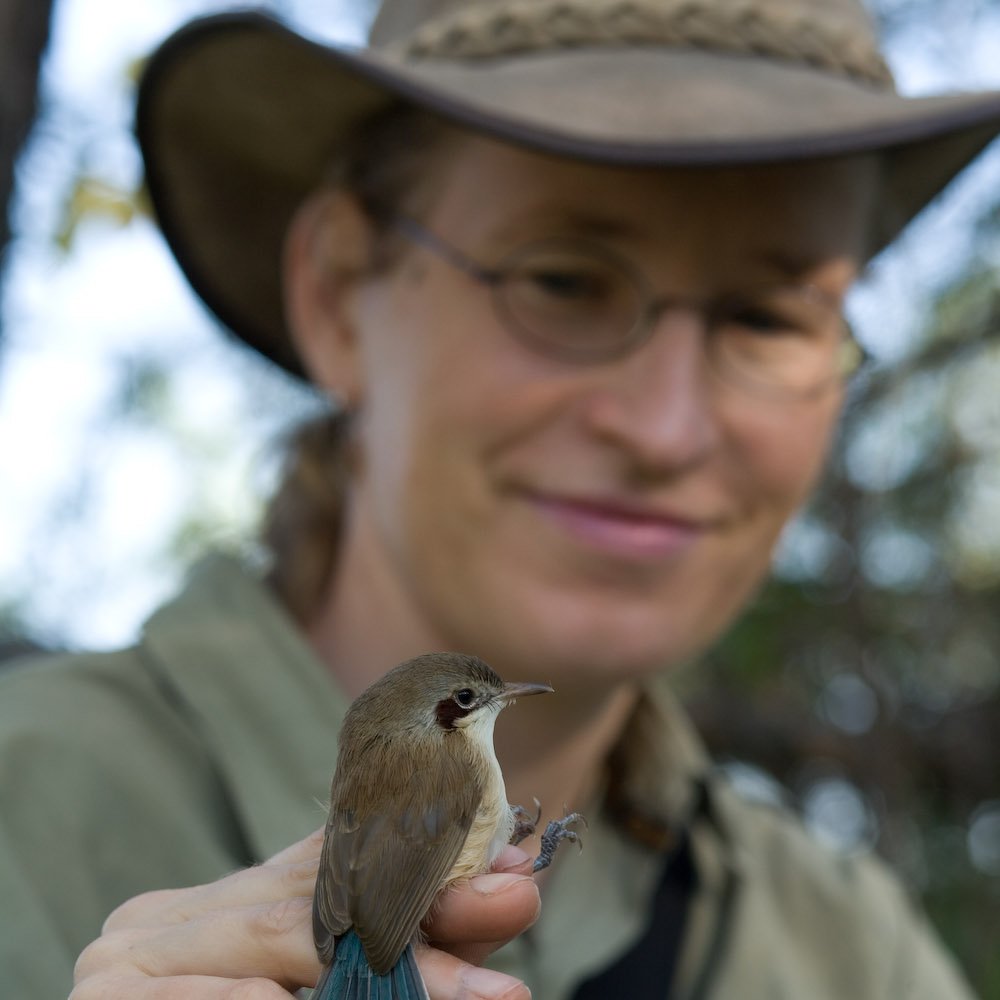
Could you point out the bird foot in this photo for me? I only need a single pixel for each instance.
(555, 833)
(524, 822)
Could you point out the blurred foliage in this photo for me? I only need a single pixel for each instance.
(873, 657)
(92, 198)
(11, 623)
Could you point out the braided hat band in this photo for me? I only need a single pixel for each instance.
(818, 37)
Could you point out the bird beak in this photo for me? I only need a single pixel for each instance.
(512, 691)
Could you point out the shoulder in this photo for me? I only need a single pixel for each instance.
(105, 792)
(55, 695)
(85, 734)
(89, 702)
(107, 788)
(845, 913)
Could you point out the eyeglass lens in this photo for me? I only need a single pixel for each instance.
(581, 302)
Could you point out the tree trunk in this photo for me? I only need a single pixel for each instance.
(24, 32)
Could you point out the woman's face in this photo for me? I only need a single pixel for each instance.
(595, 520)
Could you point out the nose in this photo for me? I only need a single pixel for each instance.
(658, 402)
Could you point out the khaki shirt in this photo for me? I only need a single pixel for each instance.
(210, 746)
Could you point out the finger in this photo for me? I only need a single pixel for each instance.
(135, 987)
(513, 859)
(290, 872)
(268, 883)
(306, 849)
(270, 941)
(447, 978)
(472, 920)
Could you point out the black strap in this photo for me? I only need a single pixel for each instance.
(646, 970)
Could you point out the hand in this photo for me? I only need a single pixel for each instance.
(248, 936)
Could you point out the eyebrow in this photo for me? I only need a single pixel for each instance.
(791, 264)
(568, 221)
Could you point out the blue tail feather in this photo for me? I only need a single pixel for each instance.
(349, 977)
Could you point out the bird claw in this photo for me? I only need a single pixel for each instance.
(555, 833)
(524, 822)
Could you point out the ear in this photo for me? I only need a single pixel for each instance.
(326, 256)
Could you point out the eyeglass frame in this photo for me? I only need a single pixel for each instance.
(852, 355)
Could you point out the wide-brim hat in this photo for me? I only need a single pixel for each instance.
(238, 115)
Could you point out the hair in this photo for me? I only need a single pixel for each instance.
(386, 164)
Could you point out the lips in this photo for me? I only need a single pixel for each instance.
(619, 528)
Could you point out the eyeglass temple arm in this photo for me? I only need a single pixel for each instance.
(423, 237)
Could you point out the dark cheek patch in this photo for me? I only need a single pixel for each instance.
(447, 711)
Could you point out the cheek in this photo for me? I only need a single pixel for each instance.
(773, 458)
(441, 374)
(784, 449)
(439, 392)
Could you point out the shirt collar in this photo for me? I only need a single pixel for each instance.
(659, 773)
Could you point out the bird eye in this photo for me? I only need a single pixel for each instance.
(465, 697)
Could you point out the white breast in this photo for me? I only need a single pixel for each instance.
(493, 825)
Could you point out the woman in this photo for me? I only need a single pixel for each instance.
(573, 274)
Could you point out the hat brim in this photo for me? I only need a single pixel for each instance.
(238, 117)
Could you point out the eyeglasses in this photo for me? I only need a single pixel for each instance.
(577, 301)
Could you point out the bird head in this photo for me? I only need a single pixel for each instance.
(443, 693)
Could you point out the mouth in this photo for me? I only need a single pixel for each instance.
(619, 528)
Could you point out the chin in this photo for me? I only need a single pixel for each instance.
(603, 648)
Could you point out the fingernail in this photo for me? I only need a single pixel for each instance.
(509, 858)
(488, 984)
(494, 883)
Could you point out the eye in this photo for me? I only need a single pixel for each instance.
(570, 284)
(783, 312)
(464, 698)
(759, 319)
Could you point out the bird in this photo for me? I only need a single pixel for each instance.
(417, 803)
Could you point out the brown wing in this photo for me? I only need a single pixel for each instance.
(386, 854)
